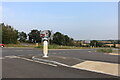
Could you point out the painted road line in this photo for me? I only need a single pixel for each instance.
(114, 53)
(50, 61)
(2, 58)
(101, 67)
(38, 62)
(89, 51)
(12, 56)
(30, 60)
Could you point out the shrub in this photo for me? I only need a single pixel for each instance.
(105, 50)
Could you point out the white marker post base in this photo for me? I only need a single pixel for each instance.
(45, 49)
(45, 56)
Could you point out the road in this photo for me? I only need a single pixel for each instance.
(86, 54)
(18, 68)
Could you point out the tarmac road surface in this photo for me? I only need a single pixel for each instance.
(18, 68)
(86, 54)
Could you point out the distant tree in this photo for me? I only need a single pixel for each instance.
(118, 42)
(68, 41)
(34, 36)
(114, 42)
(22, 36)
(9, 34)
(60, 39)
(71, 42)
(100, 44)
(95, 43)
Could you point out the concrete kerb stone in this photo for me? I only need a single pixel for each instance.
(60, 60)
(50, 61)
(65, 65)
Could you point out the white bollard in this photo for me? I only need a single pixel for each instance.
(45, 48)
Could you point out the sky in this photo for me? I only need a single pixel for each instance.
(79, 20)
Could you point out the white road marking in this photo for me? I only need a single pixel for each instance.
(89, 51)
(31, 60)
(113, 53)
(2, 58)
(50, 61)
(38, 61)
(63, 57)
(12, 56)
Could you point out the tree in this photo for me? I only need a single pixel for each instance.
(118, 42)
(22, 36)
(60, 39)
(68, 41)
(100, 44)
(34, 36)
(9, 34)
(71, 42)
(95, 43)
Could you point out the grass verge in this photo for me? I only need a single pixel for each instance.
(18, 45)
(105, 50)
(62, 47)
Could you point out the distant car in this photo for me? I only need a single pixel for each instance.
(2, 45)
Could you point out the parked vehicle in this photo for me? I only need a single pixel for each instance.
(2, 45)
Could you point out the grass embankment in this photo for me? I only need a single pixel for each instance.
(33, 45)
(107, 50)
(19, 45)
(41, 46)
(63, 47)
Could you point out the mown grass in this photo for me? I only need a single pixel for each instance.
(62, 47)
(105, 50)
(41, 46)
(18, 45)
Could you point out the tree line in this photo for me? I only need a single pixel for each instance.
(12, 36)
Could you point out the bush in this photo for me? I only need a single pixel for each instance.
(105, 50)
